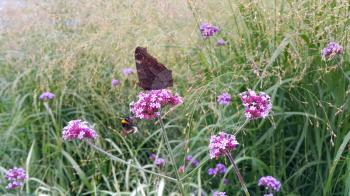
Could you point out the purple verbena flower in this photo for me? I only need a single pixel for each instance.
(16, 176)
(331, 50)
(14, 185)
(150, 102)
(270, 183)
(128, 71)
(195, 163)
(208, 30)
(46, 96)
(221, 168)
(221, 144)
(152, 157)
(212, 171)
(224, 98)
(78, 129)
(189, 158)
(220, 42)
(115, 82)
(256, 105)
(160, 162)
(216, 193)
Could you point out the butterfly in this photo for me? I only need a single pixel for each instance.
(128, 126)
(152, 74)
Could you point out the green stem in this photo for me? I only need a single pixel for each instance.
(239, 176)
(125, 162)
(171, 154)
(241, 127)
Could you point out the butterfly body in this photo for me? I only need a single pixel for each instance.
(152, 74)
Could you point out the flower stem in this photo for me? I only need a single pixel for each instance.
(171, 154)
(125, 162)
(241, 127)
(240, 178)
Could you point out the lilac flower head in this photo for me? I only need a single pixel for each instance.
(221, 168)
(224, 98)
(212, 171)
(128, 71)
(14, 185)
(221, 144)
(216, 193)
(331, 50)
(159, 162)
(270, 183)
(152, 157)
(256, 105)
(220, 42)
(189, 158)
(78, 129)
(115, 82)
(46, 96)
(208, 30)
(270, 194)
(150, 102)
(195, 163)
(16, 176)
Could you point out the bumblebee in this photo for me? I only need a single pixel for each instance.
(128, 126)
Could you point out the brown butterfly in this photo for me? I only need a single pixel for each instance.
(152, 74)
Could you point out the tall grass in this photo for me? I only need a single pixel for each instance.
(75, 48)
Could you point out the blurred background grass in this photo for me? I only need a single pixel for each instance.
(74, 49)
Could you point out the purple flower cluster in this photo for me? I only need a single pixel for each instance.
(160, 162)
(220, 42)
(152, 157)
(331, 50)
(256, 105)
(224, 98)
(78, 129)
(192, 161)
(221, 144)
(115, 82)
(218, 169)
(46, 96)
(270, 183)
(216, 193)
(128, 71)
(16, 176)
(208, 30)
(150, 102)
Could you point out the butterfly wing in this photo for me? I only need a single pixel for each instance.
(152, 74)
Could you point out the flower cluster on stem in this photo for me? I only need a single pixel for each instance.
(16, 176)
(150, 103)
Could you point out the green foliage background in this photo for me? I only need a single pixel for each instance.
(74, 49)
